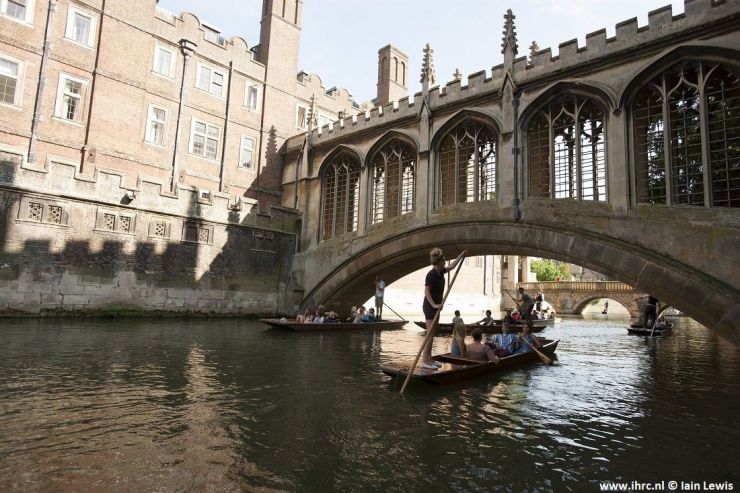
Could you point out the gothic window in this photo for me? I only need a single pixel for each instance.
(340, 195)
(687, 137)
(393, 175)
(467, 164)
(566, 150)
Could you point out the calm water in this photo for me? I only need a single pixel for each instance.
(229, 405)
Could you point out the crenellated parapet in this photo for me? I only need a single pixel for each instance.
(541, 68)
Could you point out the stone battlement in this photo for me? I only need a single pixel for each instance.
(662, 25)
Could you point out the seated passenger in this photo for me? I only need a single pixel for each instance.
(485, 321)
(457, 317)
(526, 340)
(661, 324)
(369, 316)
(359, 315)
(331, 318)
(478, 350)
(457, 347)
(319, 318)
(352, 314)
(504, 344)
(516, 316)
(307, 316)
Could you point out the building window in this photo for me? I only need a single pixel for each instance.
(163, 60)
(393, 181)
(687, 130)
(467, 164)
(246, 153)
(213, 35)
(9, 81)
(19, 10)
(324, 120)
(159, 228)
(156, 125)
(210, 80)
(70, 98)
(193, 232)
(340, 195)
(109, 221)
(300, 116)
(252, 97)
(204, 139)
(567, 150)
(80, 26)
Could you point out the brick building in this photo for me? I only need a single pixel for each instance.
(137, 145)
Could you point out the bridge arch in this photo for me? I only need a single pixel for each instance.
(709, 302)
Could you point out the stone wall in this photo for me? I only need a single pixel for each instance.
(99, 248)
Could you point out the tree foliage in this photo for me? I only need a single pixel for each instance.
(549, 270)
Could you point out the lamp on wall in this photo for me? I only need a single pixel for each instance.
(129, 196)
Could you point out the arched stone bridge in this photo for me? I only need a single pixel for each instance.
(619, 156)
(571, 297)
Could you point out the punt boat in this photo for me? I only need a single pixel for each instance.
(295, 325)
(637, 328)
(457, 369)
(446, 328)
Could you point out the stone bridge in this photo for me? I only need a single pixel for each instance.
(571, 297)
(619, 156)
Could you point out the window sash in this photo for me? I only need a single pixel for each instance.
(205, 139)
(17, 9)
(210, 80)
(81, 27)
(163, 61)
(157, 125)
(8, 80)
(246, 153)
(252, 95)
(70, 98)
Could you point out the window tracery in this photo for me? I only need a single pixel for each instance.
(393, 180)
(340, 195)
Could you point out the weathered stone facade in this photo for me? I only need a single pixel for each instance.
(661, 248)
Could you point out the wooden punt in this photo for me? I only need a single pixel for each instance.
(636, 328)
(457, 369)
(446, 328)
(294, 325)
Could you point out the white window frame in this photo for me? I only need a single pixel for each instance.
(28, 20)
(159, 47)
(150, 120)
(242, 148)
(17, 99)
(298, 108)
(58, 106)
(224, 89)
(69, 31)
(191, 147)
(258, 91)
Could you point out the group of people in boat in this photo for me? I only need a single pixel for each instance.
(318, 315)
(498, 345)
(492, 350)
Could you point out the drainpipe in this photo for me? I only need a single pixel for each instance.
(98, 49)
(517, 158)
(187, 48)
(48, 33)
(226, 127)
(298, 164)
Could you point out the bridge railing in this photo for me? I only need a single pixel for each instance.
(575, 286)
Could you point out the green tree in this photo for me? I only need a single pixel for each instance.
(549, 270)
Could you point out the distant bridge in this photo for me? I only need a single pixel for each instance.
(572, 297)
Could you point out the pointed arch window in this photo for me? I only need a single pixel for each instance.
(340, 195)
(567, 150)
(394, 177)
(686, 125)
(467, 164)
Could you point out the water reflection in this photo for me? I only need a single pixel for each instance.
(231, 405)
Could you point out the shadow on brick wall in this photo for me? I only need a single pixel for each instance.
(7, 201)
(266, 189)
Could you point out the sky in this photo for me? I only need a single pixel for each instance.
(340, 39)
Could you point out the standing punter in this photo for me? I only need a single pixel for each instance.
(379, 292)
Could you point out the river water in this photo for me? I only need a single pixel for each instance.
(230, 405)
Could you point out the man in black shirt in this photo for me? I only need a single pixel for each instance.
(525, 306)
